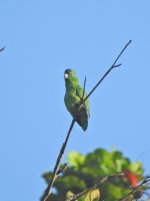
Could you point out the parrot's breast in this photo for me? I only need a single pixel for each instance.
(71, 100)
(81, 116)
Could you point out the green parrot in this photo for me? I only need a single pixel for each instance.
(73, 96)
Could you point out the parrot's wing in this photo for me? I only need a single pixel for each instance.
(79, 93)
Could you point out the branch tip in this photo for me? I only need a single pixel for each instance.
(118, 65)
(2, 49)
(47, 191)
(83, 89)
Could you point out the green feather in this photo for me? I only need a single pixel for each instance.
(73, 96)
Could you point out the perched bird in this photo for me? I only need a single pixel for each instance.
(74, 94)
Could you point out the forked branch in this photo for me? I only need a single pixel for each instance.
(114, 65)
(99, 183)
(137, 192)
(50, 184)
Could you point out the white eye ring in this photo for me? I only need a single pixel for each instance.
(66, 76)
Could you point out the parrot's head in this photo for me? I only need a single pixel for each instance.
(70, 77)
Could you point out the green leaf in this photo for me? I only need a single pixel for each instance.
(47, 176)
(69, 196)
(86, 170)
(93, 195)
(135, 166)
(76, 159)
(75, 181)
(121, 164)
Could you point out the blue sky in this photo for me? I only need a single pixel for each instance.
(42, 39)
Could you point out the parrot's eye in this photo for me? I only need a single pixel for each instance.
(66, 75)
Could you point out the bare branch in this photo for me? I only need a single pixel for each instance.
(50, 184)
(137, 192)
(145, 181)
(100, 182)
(117, 65)
(47, 191)
(108, 71)
(83, 88)
(2, 49)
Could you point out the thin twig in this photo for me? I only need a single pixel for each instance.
(83, 89)
(2, 49)
(108, 71)
(62, 170)
(100, 182)
(137, 192)
(50, 184)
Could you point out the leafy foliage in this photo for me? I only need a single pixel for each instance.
(84, 171)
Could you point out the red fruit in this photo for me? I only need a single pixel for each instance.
(132, 178)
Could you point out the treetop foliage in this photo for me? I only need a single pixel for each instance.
(84, 171)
